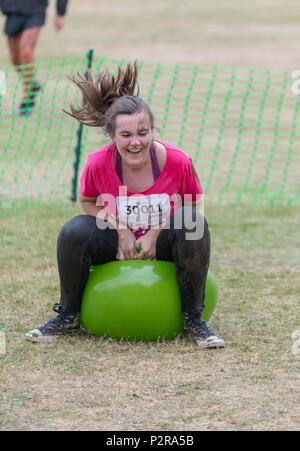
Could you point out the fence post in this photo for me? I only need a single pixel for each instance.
(76, 163)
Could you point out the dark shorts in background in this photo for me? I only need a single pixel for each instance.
(15, 23)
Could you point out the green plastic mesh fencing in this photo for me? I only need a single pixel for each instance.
(37, 152)
(240, 126)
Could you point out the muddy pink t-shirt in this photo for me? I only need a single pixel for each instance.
(178, 183)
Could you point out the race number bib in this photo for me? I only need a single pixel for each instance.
(143, 212)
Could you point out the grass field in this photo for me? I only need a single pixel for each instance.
(87, 383)
(84, 383)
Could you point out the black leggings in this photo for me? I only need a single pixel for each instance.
(82, 243)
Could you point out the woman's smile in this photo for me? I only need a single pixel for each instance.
(134, 151)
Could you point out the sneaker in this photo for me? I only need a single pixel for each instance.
(27, 105)
(201, 332)
(35, 87)
(64, 323)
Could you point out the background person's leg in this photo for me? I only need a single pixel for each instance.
(26, 46)
(13, 43)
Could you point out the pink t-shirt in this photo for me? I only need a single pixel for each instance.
(178, 182)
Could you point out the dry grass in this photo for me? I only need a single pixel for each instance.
(85, 383)
(90, 385)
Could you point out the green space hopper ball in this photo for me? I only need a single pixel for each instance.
(137, 300)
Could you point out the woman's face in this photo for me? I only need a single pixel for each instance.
(133, 136)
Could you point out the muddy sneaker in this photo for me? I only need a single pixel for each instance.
(64, 323)
(28, 103)
(26, 107)
(35, 87)
(201, 332)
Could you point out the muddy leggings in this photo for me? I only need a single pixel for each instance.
(184, 240)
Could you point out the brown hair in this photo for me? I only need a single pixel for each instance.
(109, 96)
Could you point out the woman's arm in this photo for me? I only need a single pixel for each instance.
(88, 205)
